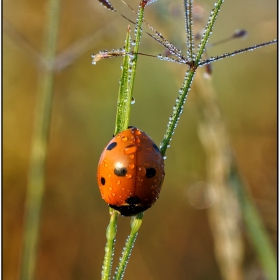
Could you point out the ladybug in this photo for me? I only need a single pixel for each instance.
(130, 172)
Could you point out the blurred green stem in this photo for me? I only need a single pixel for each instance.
(36, 176)
(255, 228)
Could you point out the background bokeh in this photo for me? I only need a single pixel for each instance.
(175, 240)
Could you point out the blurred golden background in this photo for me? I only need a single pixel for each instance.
(175, 241)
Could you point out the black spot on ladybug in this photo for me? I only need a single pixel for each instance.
(120, 171)
(103, 181)
(111, 146)
(156, 147)
(133, 200)
(150, 172)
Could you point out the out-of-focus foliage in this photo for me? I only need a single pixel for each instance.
(74, 217)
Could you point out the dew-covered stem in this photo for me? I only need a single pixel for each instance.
(208, 31)
(135, 224)
(124, 96)
(189, 28)
(177, 111)
(128, 74)
(42, 118)
(138, 35)
(110, 244)
(225, 55)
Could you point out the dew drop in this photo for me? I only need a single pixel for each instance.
(113, 194)
(142, 171)
(132, 100)
(130, 150)
(124, 139)
(128, 176)
(131, 166)
(118, 182)
(131, 156)
(137, 141)
(137, 132)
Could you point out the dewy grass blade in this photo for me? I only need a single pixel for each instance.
(177, 111)
(128, 74)
(122, 121)
(110, 244)
(136, 222)
(124, 96)
(138, 35)
(189, 28)
(180, 101)
(208, 31)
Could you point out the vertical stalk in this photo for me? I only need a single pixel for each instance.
(110, 244)
(36, 176)
(254, 225)
(136, 222)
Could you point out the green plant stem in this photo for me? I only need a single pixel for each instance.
(122, 121)
(177, 111)
(136, 222)
(36, 176)
(128, 74)
(124, 96)
(138, 35)
(189, 28)
(109, 248)
(180, 102)
(208, 31)
(255, 228)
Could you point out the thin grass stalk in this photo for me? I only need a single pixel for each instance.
(109, 247)
(42, 118)
(224, 214)
(124, 95)
(177, 111)
(231, 200)
(255, 228)
(138, 35)
(135, 224)
(208, 31)
(180, 101)
(188, 4)
(122, 121)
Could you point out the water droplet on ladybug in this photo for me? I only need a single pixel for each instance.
(124, 139)
(137, 141)
(130, 150)
(131, 166)
(141, 171)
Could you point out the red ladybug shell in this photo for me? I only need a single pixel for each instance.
(130, 172)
